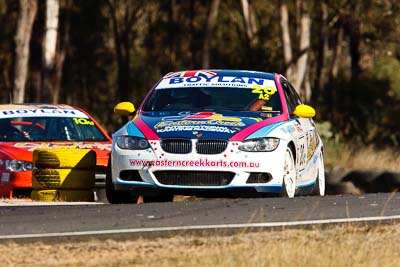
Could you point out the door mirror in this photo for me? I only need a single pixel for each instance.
(124, 108)
(304, 111)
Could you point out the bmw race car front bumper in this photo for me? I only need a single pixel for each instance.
(232, 171)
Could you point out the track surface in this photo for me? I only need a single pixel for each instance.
(62, 218)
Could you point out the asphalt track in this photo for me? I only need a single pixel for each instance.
(40, 221)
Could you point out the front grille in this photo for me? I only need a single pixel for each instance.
(207, 146)
(194, 178)
(177, 146)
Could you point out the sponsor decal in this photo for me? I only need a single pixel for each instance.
(212, 116)
(83, 121)
(298, 126)
(264, 86)
(33, 146)
(193, 163)
(196, 128)
(42, 112)
(302, 152)
(289, 129)
(200, 122)
(204, 73)
(312, 144)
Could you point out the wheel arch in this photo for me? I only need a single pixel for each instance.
(293, 148)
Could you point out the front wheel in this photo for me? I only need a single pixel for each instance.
(117, 196)
(319, 188)
(289, 175)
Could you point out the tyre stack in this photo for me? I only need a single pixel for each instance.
(63, 174)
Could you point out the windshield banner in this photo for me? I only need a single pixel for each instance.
(217, 81)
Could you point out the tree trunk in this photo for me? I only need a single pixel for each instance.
(320, 74)
(212, 18)
(354, 26)
(27, 14)
(49, 52)
(60, 56)
(192, 12)
(122, 46)
(304, 46)
(296, 68)
(286, 42)
(250, 23)
(172, 32)
(334, 71)
(337, 53)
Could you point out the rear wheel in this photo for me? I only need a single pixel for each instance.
(289, 175)
(319, 188)
(117, 196)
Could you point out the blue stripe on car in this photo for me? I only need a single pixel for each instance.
(265, 130)
(133, 130)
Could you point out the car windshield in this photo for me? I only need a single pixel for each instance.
(49, 129)
(212, 98)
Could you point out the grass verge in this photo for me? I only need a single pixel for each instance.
(343, 245)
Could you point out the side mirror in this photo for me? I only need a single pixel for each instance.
(124, 108)
(304, 111)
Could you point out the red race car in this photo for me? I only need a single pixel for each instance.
(25, 127)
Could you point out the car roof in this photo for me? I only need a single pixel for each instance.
(34, 106)
(33, 109)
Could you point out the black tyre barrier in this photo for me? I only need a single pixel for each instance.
(340, 180)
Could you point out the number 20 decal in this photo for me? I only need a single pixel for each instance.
(83, 121)
(264, 92)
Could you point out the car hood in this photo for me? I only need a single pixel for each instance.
(204, 124)
(24, 150)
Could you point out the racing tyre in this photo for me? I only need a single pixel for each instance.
(62, 195)
(63, 179)
(64, 158)
(117, 196)
(319, 188)
(289, 175)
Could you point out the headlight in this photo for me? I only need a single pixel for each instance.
(18, 165)
(260, 145)
(132, 142)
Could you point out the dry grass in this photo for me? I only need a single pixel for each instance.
(361, 157)
(336, 246)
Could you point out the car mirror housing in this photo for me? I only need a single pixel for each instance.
(304, 111)
(124, 108)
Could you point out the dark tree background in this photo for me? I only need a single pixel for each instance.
(344, 56)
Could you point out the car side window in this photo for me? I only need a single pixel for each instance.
(292, 98)
(294, 94)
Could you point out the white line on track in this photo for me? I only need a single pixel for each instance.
(201, 227)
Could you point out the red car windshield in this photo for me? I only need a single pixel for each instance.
(49, 129)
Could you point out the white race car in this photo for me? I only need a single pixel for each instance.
(216, 133)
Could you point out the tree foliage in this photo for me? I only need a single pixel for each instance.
(115, 50)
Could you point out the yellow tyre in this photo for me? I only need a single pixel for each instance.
(62, 195)
(63, 179)
(64, 158)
